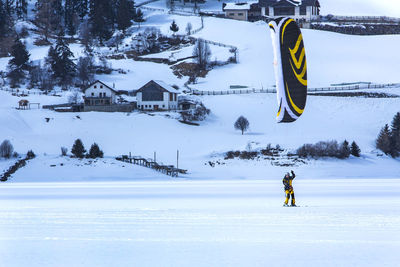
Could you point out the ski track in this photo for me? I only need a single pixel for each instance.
(189, 223)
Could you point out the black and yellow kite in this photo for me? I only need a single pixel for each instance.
(290, 68)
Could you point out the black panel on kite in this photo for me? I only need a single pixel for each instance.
(290, 68)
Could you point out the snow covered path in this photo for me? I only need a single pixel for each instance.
(207, 223)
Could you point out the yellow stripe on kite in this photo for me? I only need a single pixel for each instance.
(298, 110)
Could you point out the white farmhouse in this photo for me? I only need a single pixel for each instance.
(299, 10)
(238, 11)
(157, 95)
(99, 94)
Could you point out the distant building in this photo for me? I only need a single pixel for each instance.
(238, 11)
(101, 97)
(301, 10)
(157, 95)
(99, 94)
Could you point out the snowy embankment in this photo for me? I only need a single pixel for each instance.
(229, 223)
(326, 118)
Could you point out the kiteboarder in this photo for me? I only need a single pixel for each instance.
(287, 182)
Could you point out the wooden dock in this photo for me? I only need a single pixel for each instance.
(170, 170)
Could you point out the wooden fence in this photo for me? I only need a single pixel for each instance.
(152, 164)
(273, 90)
(366, 19)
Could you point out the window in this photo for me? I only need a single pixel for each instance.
(240, 14)
(231, 14)
(303, 10)
(152, 93)
(92, 94)
(95, 86)
(284, 11)
(171, 96)
(101, 86)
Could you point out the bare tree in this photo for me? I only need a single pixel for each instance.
(85, 70)
(242, 124)
(74, 97)
(6, 149)
(202, 52)
(189, 28)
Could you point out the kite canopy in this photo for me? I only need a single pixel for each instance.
(290, 68)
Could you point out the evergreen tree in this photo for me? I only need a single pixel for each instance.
(344, 151)
(138, 16)
(82, 8)
(71, 20)
(9, 7)
(125, 14)
(6, 21)
(18, 63)
(62, 66)
(395, 135)
(383, 140)
(95, 152)
(174, 27)
(21, 7)
(101, 19)
(355, 150)
(78, 150)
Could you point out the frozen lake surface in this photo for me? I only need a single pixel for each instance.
(205, 223)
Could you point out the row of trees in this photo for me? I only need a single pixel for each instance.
(103, 16)
(329, 149)
(79, 151)
(92, 19)
(388, 140)
(59, 68)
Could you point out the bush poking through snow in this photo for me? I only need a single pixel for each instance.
(355, 150)
(242, 124)
(30, 155)
(199, 113)
(64, 151)
(78, 150)
(6, 149)
(95, 152)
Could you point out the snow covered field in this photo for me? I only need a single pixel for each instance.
(209, 223)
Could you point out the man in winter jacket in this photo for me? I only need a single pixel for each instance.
(287, 182)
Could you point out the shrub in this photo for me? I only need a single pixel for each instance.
(30, 154)
(95, 152)
(200, 113)
(6, 149)
(248, 155)
(78, 150)
(322, 149)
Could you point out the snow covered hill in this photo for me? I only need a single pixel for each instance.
(332, 58)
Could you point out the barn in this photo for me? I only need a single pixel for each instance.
(157, 95)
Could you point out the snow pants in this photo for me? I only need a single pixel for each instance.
(290, 193)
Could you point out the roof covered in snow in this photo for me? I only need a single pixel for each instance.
(162, 84)
(236, 6)
(289, 3)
